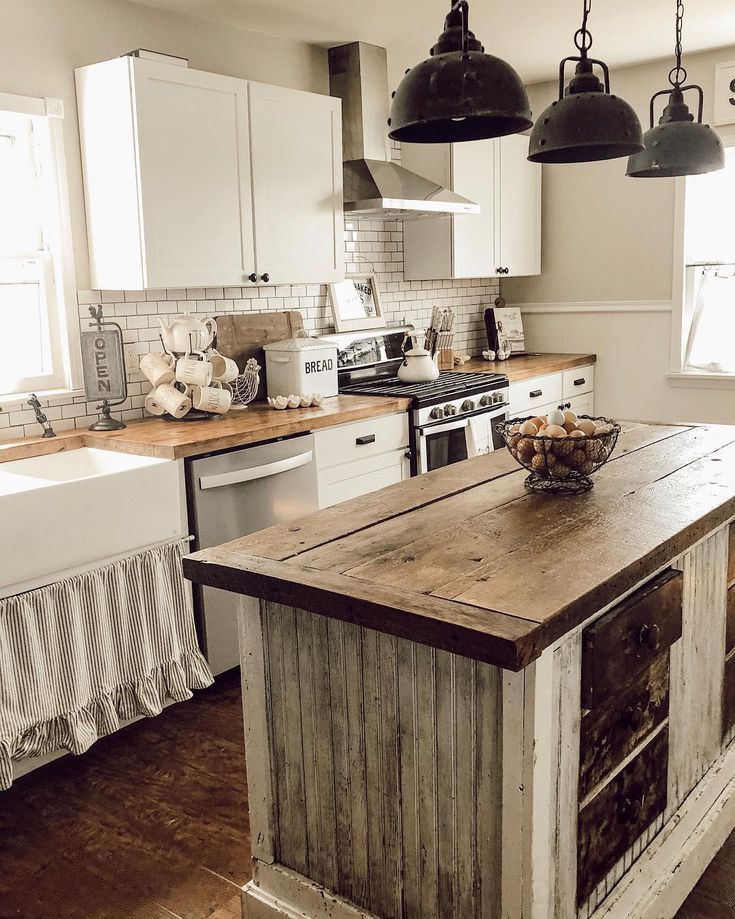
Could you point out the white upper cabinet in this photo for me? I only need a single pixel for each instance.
(296, 152)
(189, 181)
(504, 239)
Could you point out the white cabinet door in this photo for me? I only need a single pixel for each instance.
(361, 477)
(518, 209)
(474, 235)
(296, 153)
(193, 153)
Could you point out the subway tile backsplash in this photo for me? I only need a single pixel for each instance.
(371, 246)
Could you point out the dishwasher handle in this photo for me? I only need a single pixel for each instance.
(256, 472)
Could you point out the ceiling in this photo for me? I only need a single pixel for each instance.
(531, 34)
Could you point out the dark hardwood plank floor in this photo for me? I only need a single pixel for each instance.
(152, 824)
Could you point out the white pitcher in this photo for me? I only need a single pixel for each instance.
(187, 333)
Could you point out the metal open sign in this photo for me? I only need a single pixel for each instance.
(103, 365)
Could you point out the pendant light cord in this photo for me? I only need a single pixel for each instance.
(583, 36)
(678, 74)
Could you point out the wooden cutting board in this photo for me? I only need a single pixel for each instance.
(243, 336)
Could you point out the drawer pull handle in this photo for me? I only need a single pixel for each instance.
(630, 810)
(535, 393)
(650, 636)
(365, 439)
(634, 717)
(580, 382)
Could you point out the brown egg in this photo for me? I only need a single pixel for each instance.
(577, 433)
(578, 460)
(539, 420)
(543, 428)
(586, 426)
(569, 426)
(525, 448)
(561, 470)
(571, 417)
(514, 429)
(541, 446)
(539, 462)
(555, 430)
(528, 427)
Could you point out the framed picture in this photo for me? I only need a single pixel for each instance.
(355, 303)
(725, 93)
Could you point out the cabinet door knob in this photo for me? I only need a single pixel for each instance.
(503, 270)
(650, 636)
(252, 278)
(265, 277)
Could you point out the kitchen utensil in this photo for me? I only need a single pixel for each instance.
(158, 368)
(560, 465)
(418, 367)
(187, 333)
(243, 337)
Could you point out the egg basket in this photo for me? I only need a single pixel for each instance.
(560, 465)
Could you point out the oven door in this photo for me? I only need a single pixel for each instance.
(441, 445)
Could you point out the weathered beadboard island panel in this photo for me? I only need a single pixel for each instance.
(438, 719)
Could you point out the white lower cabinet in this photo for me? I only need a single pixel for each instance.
(572, 389)
(361, 457)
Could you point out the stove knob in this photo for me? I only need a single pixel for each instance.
(499, 397)
(487, 400)
(450, 409)
(468, 405)
(437, 412)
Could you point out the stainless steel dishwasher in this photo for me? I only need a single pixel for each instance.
(234, 494)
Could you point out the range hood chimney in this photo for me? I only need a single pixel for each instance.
(374, 186)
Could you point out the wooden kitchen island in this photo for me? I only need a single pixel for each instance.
(464, 700)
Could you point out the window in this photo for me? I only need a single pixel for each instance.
(708, 327)
(36, 277)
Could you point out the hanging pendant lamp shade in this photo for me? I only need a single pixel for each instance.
(586, 123)
(678, 145)
(459, 93)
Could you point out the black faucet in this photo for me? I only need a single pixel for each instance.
(48, 431)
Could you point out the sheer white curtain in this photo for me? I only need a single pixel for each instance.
(711, 342)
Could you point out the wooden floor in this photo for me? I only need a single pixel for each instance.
(152, 824)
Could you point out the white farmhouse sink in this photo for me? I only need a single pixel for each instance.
(67, 510)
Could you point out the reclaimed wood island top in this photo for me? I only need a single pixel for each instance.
(466, 560)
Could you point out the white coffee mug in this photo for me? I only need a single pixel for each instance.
(224, 368)
(193, 371)
(158, 368)
(152, 405)
(174, 401)
(216, 398)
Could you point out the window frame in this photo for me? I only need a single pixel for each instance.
(681, 302)
(58, 265)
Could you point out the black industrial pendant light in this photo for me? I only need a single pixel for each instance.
(586, 123)
(678, 145)
(459, 93)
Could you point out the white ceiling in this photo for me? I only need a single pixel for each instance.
(530, 34)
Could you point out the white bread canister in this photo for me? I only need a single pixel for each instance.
(301, 365)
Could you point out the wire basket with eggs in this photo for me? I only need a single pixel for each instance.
(561, 450)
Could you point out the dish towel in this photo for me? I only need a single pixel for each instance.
(80, 656)
(479, 434)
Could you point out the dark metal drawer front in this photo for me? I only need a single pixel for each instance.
(612, 731)
(728, 696)
(614, 819)
(627, 639)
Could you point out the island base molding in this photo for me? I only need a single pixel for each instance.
(392, 780)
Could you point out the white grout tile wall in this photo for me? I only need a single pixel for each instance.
(371, 246)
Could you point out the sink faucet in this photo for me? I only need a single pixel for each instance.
(48, 431)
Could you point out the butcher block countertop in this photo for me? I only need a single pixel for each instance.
(528, 366)
(177, 439)
(466, 560)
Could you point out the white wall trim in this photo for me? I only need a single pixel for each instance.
(694, 380)
(599, 306)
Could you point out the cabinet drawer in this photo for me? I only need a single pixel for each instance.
(577, 381)
(630, 636)
(612, 731)
(731, 562)
(528, 395)
(360, 439)
(361, 477)
(613, 820)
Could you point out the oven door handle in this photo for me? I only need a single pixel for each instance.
(443, 428)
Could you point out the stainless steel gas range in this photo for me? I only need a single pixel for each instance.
(441, 411)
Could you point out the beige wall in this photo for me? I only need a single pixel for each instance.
(42, 41)
(609, 238)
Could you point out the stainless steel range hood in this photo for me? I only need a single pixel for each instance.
(374, 186)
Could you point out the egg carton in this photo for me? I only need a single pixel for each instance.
(283, 402)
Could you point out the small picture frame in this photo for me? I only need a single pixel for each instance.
(356, 303)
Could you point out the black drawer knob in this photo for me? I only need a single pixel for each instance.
(265, 277)
(580, 382)
(634, 717)
(650, 637)
(253, 278)
(365, 439)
